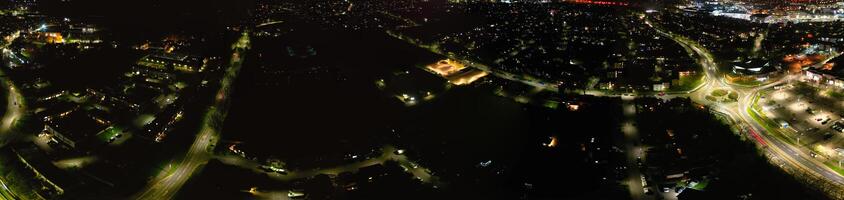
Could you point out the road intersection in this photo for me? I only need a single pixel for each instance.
(740, 112)
(170, 181)
(737, 112)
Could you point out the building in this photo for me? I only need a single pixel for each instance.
(74, 128)
(761, 18)
(59, 137)
(825, 77)
(753, 69)
(172, 61)
(659, 87)
(84, 35)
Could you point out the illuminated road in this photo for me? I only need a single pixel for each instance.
(387, 154)
(739, 112)
(527, 80)
(170, 180)
(634, 179)
(14, 109)
(14, 105)
(736, 111)
(268, 23)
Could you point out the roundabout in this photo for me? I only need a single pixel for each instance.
(722, 95)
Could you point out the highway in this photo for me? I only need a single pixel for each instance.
(169, 181)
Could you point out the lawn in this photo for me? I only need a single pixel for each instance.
(768, 124)
(552, 104)
(719, 92)
(747, 82)
(687, 83)
(702, 185)
(733, 96)
(834, 167)
(108, 133)
(838, 95)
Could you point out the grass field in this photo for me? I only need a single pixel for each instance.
(687, 83)
(719, 92)
(838, 95)
(108, 133)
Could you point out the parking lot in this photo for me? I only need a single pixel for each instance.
(812, 114)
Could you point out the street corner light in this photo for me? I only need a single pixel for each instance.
(253, 190)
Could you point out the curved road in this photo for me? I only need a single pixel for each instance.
(170, 180)
(14, 109)
(15, 102)
(739, 112)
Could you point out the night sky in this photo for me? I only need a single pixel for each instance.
(152, 17)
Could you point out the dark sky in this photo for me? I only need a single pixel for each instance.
(154, 16)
